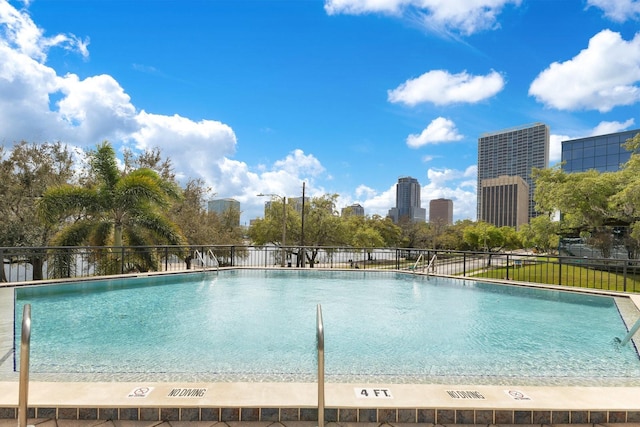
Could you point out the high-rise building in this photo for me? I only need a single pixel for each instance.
(441, 211)
(408, 201)
(221, 206)
(505, 201)
(604, 153)
(512, 152)
(297, 203)
(356, 210)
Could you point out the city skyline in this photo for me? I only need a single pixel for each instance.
(343, 95)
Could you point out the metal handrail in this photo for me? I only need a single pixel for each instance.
(631, 332)
(320, 341)
(25, 345)
(200, 256)
(432, 263)
(214, 257)
(417, 262)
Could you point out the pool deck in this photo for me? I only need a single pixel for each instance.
(344, 403)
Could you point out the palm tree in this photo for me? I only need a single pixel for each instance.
(115, 209)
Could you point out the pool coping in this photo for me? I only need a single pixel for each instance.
(280, 402)
(396, 403)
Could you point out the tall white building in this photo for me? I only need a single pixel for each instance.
(512, 152)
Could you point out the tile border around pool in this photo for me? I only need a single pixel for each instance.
(282, 402)
(343, 415)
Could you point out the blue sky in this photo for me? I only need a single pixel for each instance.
(259, 96)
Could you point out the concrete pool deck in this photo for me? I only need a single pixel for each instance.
(344, 403)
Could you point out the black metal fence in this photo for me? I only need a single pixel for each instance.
(45, 263)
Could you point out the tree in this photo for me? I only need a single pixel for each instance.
(414, 234)
(115, 208)
(322, 226)
(268, 230)
(452, 238)
(591, 203)
(25, 174)
(490, 238)
(190, 214)
(150, 159)
(360, 233)
(390, 232)
(541, 233)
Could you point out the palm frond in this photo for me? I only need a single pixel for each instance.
(161, 228)
(103, 162)
(64, 201)
(74, 234)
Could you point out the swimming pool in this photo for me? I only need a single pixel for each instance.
(259, 325)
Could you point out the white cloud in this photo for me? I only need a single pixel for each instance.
(439, 130)
(441, 88)
(457, 185)
(600, 77)
(25, 86)
(555, 148)
(297, 162)
(444, 16)
(364, 192)
(380, 203)
(618, 10)
(357, 7)
(20, 33)
(604, 128)
(95, 108)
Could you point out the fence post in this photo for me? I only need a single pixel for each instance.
(122, 260)
(464, 264)
(559, 270)
(507, 266)
(624, 277)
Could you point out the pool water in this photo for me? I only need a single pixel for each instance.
(255, 325)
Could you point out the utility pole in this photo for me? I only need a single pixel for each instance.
(302, 231)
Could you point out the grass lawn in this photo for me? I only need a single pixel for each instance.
(553, 273)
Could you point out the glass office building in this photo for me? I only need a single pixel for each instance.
(604, 153)
(408, 202)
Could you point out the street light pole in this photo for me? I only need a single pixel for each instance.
(284, 229)
(284, 223)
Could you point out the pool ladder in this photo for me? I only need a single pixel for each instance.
(430, 266)
(25, 346)
(320, 345)
(631, 333)
(199, 256)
